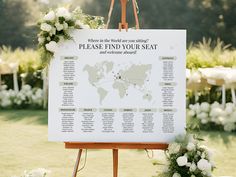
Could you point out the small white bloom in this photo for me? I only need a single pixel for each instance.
(229, 108)
(215, 112)
(188, 164)
(46, 27)
(205, 107)
(204, 121)
(48, 38)
(176, 175)
(204, 165)
(228, 127)
(40, 172)
(173, 148)
(190, 146)
(193, 167)
(182, 161)
(166, 169)
(52, 46)
(202, 115)
(203, 156)
(53, 31)
(63, 12)
(215, 105)
(50, 16)
(59, 26)
(41, 40)
(82, 25)
(65, 26)
(191, 113)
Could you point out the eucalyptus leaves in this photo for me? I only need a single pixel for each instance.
(186, 158)
(56, 26)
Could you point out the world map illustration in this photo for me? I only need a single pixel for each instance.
(120, 78)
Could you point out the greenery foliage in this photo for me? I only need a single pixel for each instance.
(210, 18)
(57, 25)
(210, 53)
(17, 23)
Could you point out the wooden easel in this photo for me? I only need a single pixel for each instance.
(114, 146)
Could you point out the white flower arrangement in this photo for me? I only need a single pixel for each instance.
(215, 114)
(186, 158)
(40, 172)
(26, 97)
(56, 26)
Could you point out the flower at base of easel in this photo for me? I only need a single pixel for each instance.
(186, 158)
(56, 26)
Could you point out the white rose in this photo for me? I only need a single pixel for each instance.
(45, 27)
(63, 12)
(188, 164)
(203, 156)
(228, 127)
(182, 161)
(59, 26)
(166, 169)
(191, 106)
(65, 26)
(41, 40)
(52, 46)
(216, 112)
(176, 175)
(173, 148)
(193, 167)
(229, 108)
(215, 105)
(53, 31)
(191, 113)
(204, 165)
(204, 121)
(190, 146)
(82, 25)
(48, 38)
(202, 115)
(195, 106)
(50, 16)
(38, 172)
(205, 107)
(233, 116)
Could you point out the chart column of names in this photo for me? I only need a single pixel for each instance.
(168, 93)
(68, 87)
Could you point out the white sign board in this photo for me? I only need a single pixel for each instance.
(111, 86)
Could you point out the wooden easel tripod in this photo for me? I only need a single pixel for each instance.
(114, 146)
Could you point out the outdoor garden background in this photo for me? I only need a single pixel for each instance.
(210, 75)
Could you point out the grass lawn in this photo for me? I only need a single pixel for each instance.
(24, 146)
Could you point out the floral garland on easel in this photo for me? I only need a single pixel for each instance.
(56, 26)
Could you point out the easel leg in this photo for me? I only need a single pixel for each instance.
(115, 162)
(77, 163)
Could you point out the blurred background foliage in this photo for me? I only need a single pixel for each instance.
(202, 18)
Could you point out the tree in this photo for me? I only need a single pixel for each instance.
(17, 23)
(202, 18)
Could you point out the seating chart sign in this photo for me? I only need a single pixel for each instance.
(112, 86)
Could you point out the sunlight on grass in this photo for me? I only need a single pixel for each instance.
(24, 146)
